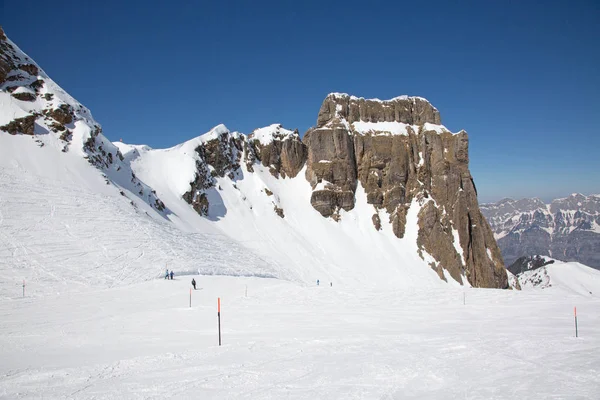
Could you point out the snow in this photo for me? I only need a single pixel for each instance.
(436, 128)
(22, 89)
(566, 277)
(402, 97)
(9, 108)
(288, 341)
(270, 133)
(98, 321)
(393, 128)
(458, 247)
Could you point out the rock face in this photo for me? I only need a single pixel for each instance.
(528, 263)
(220, 153)
(567, 229)
(399, 154)
(278, 149)
(408, 110)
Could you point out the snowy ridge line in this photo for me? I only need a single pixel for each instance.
(401, 97)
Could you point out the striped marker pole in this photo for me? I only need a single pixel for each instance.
(219, 317)
(575, 312)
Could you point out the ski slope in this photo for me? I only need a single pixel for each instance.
(63, 227)
(285, 340)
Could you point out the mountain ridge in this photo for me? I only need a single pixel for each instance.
(395, 194)
(567, 228)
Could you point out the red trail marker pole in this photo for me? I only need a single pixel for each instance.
(219, 317)
(575, 312)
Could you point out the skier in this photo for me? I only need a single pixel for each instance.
(317, 282)
(194, 283)
(167, 274)
(330, 284)
(171, 274)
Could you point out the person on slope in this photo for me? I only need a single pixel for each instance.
(194, 283)
(171, 274)
(167, 274)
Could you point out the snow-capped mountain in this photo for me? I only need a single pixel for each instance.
(378, 193)
(567, 229)
(538, 272)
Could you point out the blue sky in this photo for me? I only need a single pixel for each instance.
(522, 78)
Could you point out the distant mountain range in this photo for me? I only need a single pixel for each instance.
(567, 229)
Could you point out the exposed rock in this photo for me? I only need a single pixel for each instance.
(565, 229)
(376, 221)
(398, 220)
(399, 153)
(408, 110)
(278, 149)
(328, 202)
(24, 125)
(268, 192)
(528, 263)
(62, 114)
(37, 85)
(24, 96)
(435, 237)
(222, 154)
(30, 69)
(6, 62)
(279, 211)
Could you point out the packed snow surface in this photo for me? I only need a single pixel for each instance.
(281, 340)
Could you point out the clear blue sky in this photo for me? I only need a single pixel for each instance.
(522, 78)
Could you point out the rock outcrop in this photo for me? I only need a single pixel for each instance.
(278, 149)
(399, 153)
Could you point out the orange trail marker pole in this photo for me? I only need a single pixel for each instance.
(219, 317)
(575, 312)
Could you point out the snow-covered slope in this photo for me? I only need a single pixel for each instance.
(544, 272)
(72, 212)
(305, 245)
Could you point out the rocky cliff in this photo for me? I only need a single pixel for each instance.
(398, 153)
(567, 229)
(395, 151)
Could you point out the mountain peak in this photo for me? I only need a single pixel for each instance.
(402, 109)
